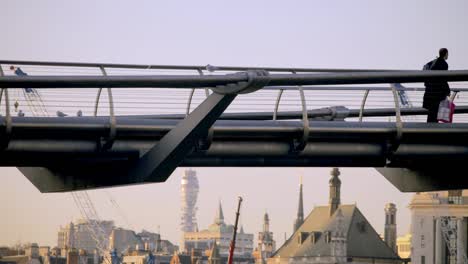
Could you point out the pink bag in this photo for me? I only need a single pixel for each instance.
(446, 110)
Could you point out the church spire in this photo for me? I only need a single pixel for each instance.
(219, 219)
(335, 185)
(300, 209)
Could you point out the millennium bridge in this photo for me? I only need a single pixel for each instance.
(76, 126)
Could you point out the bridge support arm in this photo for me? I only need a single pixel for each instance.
(425, 179)
(156, 165)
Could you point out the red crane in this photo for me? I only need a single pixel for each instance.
(233, 241)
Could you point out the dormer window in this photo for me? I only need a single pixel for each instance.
(302, 237)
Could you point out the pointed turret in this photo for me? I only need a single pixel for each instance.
(300, 209)
(219, 219)
(266, 223)
(335, 185)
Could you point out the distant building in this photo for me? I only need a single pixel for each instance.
(4, 251)
(78, 235)
(335, 234)
(390, 231)
(7, 251)
(439, 227)
(220, 233)
(72, 256)
(212, 256)
(44, 251)
(189, 194)
(404, 246)
(266, 245)
(167, 247)
(31, 256)
(145, 257)
(123, 240)
(151, 241)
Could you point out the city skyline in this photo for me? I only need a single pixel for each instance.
(357, 34)
(208, 204)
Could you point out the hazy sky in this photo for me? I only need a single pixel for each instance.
(356, 34)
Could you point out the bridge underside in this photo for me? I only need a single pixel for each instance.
(428, 157)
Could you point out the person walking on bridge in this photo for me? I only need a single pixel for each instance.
(436, 91)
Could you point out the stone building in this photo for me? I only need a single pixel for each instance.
(266, 245)
(220, 232)
(439, 227)
(390, 232)
(335, 233)
(79, 235)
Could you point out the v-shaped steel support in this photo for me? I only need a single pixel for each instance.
(156, 165)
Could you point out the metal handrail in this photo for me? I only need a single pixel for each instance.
(354, 88)
(182, 67)
(191, 81)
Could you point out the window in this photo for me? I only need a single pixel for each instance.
(423, 259)
(455, 197)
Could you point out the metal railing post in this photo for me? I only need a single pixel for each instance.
(399, 123)
(8, 120)
(363, 104)
(278, 99)
(300, 145)
(192, 92)
(112, 120)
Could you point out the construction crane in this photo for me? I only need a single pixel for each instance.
(234, 233)
(82, 200)
(89, 213)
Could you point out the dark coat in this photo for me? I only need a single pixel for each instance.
(436, 91)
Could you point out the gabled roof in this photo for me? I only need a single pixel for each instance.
(362, 239)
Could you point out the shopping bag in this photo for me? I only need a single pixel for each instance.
(446, 110)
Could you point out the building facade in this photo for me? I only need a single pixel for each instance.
(439, 227)
(79, 235)
(150, 240)
(404, 246)
(390, 231)
(335, 233)
(266, 245)
(221, 233)
(124, 240)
